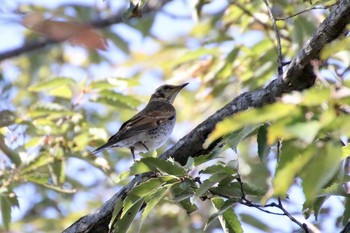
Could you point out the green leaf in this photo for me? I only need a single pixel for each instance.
(118, 206)
(263, 147)
(101, 84)
(33, 142)
(38, 162)
(346, 214)
(236, 137)
(157, 164)
(112, 82)
(145, 189)
(43, 182)
(51, 109)
(145, 25)
(316, 96)
(256, 222)
(208, 183)
(346, 151)
(334, 47)
(12, 155)
(182, 192)
(233, 190)
(117, 100)
(224, 205)
(57, 169)
(226, 70)
(313, 206)
(5, 211)
(335, 189)
(195, 55)
(303, 28)
(188, 205)
(228, 218)
(123, 224)
(56, 82)
(118, 41)
(215, 153)
(251, 117)
(305, 131)
(219, 167)
(293, 160)
(152, 201)
(63, 92)
(59, 87)
(321, 169)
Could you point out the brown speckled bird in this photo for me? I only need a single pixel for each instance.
(151, 127)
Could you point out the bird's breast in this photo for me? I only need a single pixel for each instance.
(157, 136)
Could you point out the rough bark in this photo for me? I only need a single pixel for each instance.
(298, 76)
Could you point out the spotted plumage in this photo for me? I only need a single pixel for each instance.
(151, 127)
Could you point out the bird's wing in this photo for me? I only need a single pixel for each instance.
(152, 116)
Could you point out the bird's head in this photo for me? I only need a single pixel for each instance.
(167, 93)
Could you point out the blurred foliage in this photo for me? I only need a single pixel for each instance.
(60, 102)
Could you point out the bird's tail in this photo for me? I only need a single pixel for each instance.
(103, 147)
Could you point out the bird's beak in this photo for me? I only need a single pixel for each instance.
(175, 91)
(182, 85)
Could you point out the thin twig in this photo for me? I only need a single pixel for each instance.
(278, 154)
(259, 207)
(278, 205)
(302, 225)
(301, 12)
(264, 25)
(278, 39)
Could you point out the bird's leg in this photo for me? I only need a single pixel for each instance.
(132, 149)
(144, 145)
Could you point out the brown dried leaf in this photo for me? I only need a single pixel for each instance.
(75, 33)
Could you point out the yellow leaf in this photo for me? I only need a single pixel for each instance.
(250, 117)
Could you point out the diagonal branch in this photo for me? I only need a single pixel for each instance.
(298, 76)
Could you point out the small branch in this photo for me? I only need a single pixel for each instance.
(247, 12)
(278, 205)
(302, 12)
(28, 47)
(260, 207)
(278, 39)
(279, 145)
(301, 225)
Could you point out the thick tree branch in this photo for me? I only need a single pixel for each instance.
(151, 7)
(298, 76)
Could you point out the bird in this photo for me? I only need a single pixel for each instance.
(151, 127)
